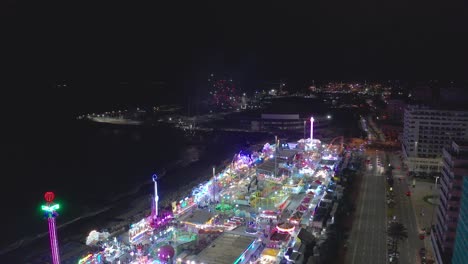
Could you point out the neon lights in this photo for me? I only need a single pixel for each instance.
(49, 197)
(285, 228)
(50, 209)
(53, 240)
(138, 229)
(242, 256)
(156, 197)
(311, 129)
(138, 235)
(51, 214)
(239, 259)
(83, 260)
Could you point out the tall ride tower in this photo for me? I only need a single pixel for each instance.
(156, 197)
(311, 129)
(50, 212)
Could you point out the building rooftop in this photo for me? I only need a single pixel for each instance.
(287, 154)
(326, 162)
(226, 249)
(199, 217)
(445, 108)
(460, 145)
(305, 236)
(267, 166)
(458, 150)
(279, 236)
(320, 213)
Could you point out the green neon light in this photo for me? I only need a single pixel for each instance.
(238, 259)
(241, 257)
(52, 208)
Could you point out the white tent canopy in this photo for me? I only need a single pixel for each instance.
(94, 237)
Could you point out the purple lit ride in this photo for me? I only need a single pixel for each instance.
(158, 219)
(166, 253)
(50, 211)
(148, 224)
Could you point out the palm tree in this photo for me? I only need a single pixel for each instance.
(397, 231)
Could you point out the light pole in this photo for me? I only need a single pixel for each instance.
(415, 155)
(433, 207)
(305, 122)
(276, 154)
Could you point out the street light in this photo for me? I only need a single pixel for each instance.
(305, 129)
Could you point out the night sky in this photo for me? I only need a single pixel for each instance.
(182, 42)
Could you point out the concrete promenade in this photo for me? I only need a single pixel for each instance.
(405, 214)
(424, 209)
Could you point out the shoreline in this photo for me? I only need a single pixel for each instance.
(121, 213)
(134, 204)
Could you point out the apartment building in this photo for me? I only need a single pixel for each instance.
(426, 131)
(455, 169)
(460, 253)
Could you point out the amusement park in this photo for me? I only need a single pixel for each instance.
(261, 208)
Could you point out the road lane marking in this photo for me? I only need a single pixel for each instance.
(362, 204)
(372, 225)
(360, 217)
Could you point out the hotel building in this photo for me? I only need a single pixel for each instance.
(450, 216)
(426, 131)
(460, 253)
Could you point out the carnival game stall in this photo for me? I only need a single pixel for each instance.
(267, 216)
(183, 206)
(269, 256)
(296, 218)
(138, 231)
(281, 235)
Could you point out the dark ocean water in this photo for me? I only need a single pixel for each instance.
(85, 164)
(93, 165)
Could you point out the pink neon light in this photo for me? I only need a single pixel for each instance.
(287, 227)
(53, 240)
(52, 245)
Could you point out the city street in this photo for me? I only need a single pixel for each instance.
(367, 240)
(405, 214)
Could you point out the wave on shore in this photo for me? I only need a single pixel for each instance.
(192, 156)
(27, 240)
